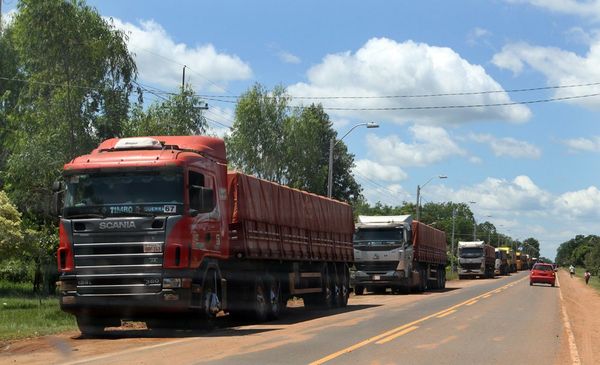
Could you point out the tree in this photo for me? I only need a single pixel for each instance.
(290, 148)
(179, 114)
(256, 145)
(9, 91)
(533, 245)
(307, 142)
(79, 77)
(11, 236)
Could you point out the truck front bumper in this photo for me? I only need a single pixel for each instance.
(127, 305)
(362, 278)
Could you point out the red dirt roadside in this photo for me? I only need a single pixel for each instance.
(583, 306)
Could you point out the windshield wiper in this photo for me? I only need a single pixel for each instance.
(134, 214)
(85, 215)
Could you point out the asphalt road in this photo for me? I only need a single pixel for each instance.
(497, 321)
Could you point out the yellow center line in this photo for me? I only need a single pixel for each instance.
(396, 335)
(472, 302)
(487, 296)
(397, 329)
(446, 314)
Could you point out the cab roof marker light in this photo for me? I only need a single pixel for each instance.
(138, 143)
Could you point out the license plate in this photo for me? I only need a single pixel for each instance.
(376, 277)
(152, 248)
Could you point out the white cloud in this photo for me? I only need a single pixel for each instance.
(499, 195)
(160, 59)
(478, 34)
(219, 120)
(375, 171)
(582, 203)
(430, 145)
(508, 146)
(288, 57)
(392, 194)
(586, 8)
(560, 67)
(8, 17)
(383, 67)
(591, 144)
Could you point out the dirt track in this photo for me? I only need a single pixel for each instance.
(583, 308)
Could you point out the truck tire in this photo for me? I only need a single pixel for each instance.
(211, 303)
(276, 304)
(342, 277)
(94, 327)
(324, 299)
(359, 290)
(260, 300)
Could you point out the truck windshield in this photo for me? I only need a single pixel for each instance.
(471, 252)
(378, 237)
(124, 193)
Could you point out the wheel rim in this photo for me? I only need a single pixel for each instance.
(274, 298)
(260, 301)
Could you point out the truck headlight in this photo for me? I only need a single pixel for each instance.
(171, 283)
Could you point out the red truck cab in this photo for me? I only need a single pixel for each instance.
(151, 227)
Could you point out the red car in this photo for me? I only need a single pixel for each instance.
(542, 273)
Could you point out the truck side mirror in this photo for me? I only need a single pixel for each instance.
(58, 187)
(201, 200)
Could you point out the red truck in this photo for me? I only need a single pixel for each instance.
(155, 229)
(398, 253)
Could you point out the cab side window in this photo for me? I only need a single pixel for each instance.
(201, 197)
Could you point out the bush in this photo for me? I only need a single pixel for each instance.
(16, 271)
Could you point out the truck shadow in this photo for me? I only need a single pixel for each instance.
(224, 326)
(390, 294)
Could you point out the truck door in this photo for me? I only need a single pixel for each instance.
(206, 224)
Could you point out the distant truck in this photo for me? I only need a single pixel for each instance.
(501, 265)
(397, 252)
(511, 258)
(155, 229)
(520, 260)
(475, 259)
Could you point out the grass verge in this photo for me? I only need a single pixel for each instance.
(594, 280)
(451, 275)
(23, 314)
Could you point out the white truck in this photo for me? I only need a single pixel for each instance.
(399, 253)
(476, 259)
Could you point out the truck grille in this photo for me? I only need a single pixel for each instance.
(115, 263)
(471, 266)
(377, 266)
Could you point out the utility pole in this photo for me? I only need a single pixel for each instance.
(453, 263)
(182, 77)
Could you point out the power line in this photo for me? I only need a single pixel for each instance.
(188, 67)
(463, 93)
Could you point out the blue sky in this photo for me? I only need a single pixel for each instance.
(532, 168)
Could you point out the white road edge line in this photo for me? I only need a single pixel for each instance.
(575, 360)
(129, 351)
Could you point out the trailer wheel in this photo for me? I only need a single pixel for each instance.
(274, 297)
(343, 276)
(260, 300)
(359, 290)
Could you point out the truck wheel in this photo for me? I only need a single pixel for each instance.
(424, 280)
(274, 296)
(341, 286)
(261, 300)
(444, 279)
(359, 290)
(211, 304)
(94, 327)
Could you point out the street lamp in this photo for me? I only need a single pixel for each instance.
(332, 144)
(474, 223)
(419, 187)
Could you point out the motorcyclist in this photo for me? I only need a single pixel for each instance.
(571, 270)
